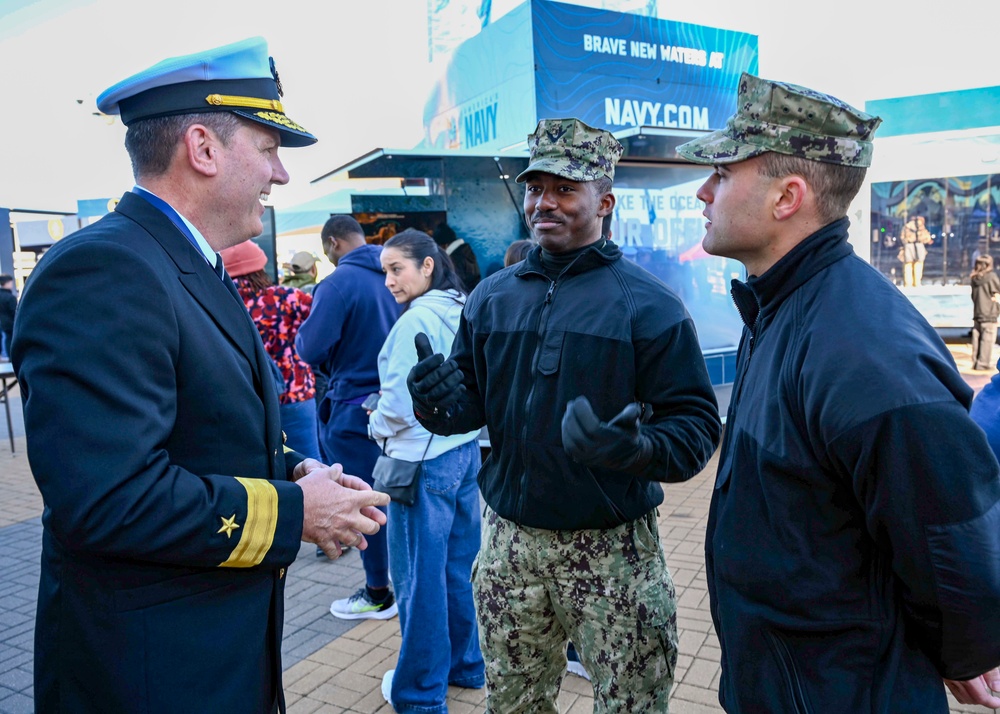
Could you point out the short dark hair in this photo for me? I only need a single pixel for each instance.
(602, 185)
(4, 279)
(835, 185)
(340, 226)
(416, 245)
(151, 143)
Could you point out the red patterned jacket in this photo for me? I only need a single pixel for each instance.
(278, 311)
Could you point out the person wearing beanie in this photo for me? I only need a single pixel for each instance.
(172, 508)
(278, 311)
(244, 258)
(461, 254)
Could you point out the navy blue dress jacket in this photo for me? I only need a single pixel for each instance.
(153, 434)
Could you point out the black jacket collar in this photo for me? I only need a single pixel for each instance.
(595, 256)
(762, 295)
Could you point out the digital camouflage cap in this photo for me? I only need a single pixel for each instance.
(787, 119)
(573, 150)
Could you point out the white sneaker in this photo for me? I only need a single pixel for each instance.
(387, 686)
(361, 607)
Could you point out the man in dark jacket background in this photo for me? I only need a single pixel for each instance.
(588, 373)
(854, 531)
(352, 313)
(985, 286)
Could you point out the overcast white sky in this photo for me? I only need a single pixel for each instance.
(355, 72)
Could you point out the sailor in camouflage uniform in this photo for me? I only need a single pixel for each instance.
(588, 373)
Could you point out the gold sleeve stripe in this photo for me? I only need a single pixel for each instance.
(287, 450)
(262, 521)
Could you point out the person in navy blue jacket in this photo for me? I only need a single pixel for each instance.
(853, 539)
(171, 509)
(351, 316)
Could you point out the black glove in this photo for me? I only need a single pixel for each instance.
(434, 382)
(618, 445)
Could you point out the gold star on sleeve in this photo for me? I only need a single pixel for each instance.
(259, 526)
(228, 526)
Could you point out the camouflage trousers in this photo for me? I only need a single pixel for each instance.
(608, 591)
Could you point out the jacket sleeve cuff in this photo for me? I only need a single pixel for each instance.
(272, 531)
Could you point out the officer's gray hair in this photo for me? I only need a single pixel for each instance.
(152, 143)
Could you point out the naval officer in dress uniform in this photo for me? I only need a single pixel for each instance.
(171, 508)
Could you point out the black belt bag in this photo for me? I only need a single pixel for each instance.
(398, 478)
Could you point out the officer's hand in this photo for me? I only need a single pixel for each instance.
(978, 690)
(306, 466)
(434, 382)
(339, 509)
(618, 444)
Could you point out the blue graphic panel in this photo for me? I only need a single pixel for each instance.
(947, 111)
(485, 98)
(95, 207)
(616, 70)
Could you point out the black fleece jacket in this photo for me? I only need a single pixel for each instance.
(853, 539)
(604, 328)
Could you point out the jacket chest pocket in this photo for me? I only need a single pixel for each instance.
(550, 352)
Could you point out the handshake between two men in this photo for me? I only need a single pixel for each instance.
(435, 385)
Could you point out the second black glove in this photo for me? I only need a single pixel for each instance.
(618, 444)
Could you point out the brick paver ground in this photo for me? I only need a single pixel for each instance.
(336, 667)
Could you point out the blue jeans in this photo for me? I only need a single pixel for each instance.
(344, 435)
(298, 421)
(432, 545)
